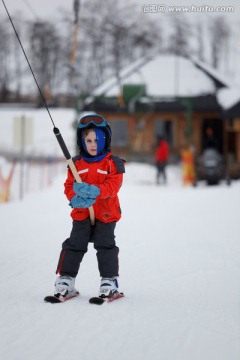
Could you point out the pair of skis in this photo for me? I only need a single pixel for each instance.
(93, 300)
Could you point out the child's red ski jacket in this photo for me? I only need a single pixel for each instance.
(107, 174)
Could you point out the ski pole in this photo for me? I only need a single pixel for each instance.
(55, 129)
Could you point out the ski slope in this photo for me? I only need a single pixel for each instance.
(179, 270)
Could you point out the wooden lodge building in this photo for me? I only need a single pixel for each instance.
(172, 96)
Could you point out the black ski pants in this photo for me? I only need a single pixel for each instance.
(74, 248)
(161, 170)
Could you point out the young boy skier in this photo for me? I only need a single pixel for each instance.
(102, 176)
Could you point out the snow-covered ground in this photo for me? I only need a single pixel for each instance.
(179, 270)
(179, 264)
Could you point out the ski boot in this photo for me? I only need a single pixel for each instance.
(64, 287)
(108, 288)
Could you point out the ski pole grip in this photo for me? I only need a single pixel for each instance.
(74, 171)
(61, 143)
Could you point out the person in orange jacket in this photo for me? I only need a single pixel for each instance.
(188, 167)
(102, 176)
(161, 157)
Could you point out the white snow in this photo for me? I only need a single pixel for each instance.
(109, 88)
(179, 270)
(164, 75)
(227, 98)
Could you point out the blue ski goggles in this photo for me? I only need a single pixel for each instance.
(95, 120)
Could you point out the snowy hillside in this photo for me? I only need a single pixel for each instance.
(179, 269)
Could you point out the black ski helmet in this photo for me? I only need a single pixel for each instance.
(93, 121)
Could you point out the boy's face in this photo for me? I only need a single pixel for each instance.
(91, 143)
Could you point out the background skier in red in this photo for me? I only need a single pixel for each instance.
(161, 157)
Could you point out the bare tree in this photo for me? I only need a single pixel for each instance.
(179, 40)
(111, 37)
(18, 58)
(45, 52)
(200, 41)
(219, 36)
(4, 62)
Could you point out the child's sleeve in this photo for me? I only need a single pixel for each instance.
(114, 180)
(68, 185)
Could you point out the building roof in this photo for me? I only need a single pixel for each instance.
(228, 97)
(165, 76)
(219, 80)
(198, 103)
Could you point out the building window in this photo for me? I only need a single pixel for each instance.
(165, 128)
(119, 132)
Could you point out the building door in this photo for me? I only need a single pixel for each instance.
(212, 134)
